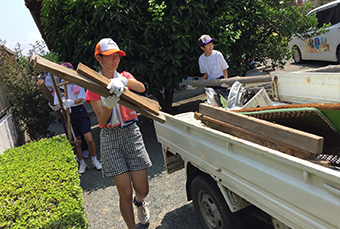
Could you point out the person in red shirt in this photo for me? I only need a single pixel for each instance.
(122, 149)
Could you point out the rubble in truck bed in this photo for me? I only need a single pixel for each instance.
(318, 118)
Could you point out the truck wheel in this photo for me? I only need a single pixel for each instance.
(210, 205)
(297, 56)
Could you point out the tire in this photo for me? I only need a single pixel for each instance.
(338, 55)
(297, 55)
(210, 206)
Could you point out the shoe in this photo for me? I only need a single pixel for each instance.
(142, 212)
(97, 164)
(82, 168)
(85, 153)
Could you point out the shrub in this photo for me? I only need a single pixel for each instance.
(40, 186)
(27, 102)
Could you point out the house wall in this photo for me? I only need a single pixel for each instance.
(8, 134)
(4, 103)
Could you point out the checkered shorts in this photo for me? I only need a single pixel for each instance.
(122, 150)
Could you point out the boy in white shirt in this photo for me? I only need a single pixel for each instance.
(211, 63)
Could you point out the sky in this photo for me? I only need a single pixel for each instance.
(17, 25)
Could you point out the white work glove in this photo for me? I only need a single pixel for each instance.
(189, 87)
(111, 101)
(54, 107)
(68, 103)
(117, 85)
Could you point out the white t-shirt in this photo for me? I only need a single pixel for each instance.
(213, 65)
(74, 92)
(48, 80)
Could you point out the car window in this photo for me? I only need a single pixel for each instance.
(331, 15)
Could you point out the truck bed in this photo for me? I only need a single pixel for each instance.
(297, 192)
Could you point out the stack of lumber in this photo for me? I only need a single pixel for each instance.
(284, 139)
(95, 82)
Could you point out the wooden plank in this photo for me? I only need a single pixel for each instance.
(72, 76)
(48, 96)
(68, 117)
(126, 95)
(229, 81)
(253, 137)
(159, 118)
(320, 106)
(67, 74)
(285, 135)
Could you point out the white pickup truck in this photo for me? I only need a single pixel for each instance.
(228, 175)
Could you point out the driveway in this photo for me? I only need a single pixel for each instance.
(167, 201)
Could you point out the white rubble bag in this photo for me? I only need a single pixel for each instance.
(235, 97)
(210, 93)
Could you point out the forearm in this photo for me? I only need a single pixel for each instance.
(104, 116)
(135, 85)
(78, 101)
(103, 113)
(225, 73)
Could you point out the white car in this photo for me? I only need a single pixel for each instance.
(325, 47)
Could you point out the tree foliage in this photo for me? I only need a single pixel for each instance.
(160, 37)
(28, 104)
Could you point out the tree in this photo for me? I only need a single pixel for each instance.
(28, 104)
(160, 37)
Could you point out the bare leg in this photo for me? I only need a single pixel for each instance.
(79, 152)
(90, 142)
(140, 184)
(124, 187)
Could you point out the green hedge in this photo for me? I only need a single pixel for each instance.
(40, 186)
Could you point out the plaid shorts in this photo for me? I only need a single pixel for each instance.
(122, 150)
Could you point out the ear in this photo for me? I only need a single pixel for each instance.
(202, 48)
(98, 58)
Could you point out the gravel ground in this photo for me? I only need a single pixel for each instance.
(167, 197)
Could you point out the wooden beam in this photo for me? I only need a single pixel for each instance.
(126, 95)
(229, 81)
(48, 96)
(288, 136)
(72, 76)
(320, 106)
(67, 74)
(253, 137)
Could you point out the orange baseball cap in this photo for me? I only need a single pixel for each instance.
(106, 47)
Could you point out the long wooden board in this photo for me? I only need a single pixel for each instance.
(127, 95)
(48, 96)
(72, 76)
(253, 137)
(229, 81)
(320, 106)
(286, 136)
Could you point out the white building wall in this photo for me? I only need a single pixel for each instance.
(8, 134)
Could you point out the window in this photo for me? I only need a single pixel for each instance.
(330, 15)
